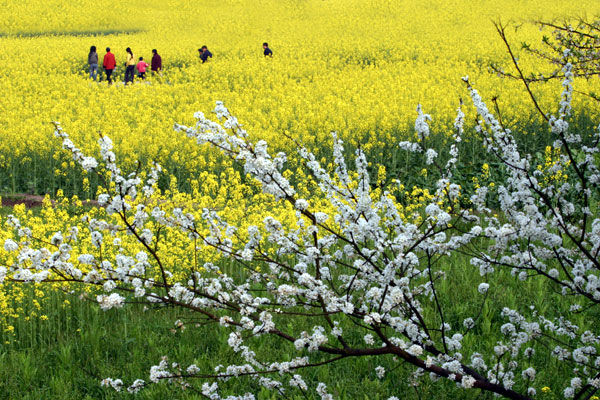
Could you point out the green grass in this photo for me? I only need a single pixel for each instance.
(67, 355)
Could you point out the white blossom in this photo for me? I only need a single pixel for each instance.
(114, 300)
(483, 288)
(10, 245)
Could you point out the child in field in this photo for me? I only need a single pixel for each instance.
(204, 54)
(267, 50)
(141, 67)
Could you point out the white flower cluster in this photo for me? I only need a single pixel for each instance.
(114, 300)
(116, 384)
(87, 163)
(254, 157)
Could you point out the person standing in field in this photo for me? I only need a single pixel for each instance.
(204, 54)
(109, 64)
(141, 67)
(156, 63)
(93, 62)
(267, 50)
(129, 66)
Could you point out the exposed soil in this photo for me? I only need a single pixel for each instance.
(32, 200)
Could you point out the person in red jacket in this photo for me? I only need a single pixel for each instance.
(109, 64)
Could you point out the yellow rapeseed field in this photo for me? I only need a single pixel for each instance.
(359, 67)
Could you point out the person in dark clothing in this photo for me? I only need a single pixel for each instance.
(109, 63)
(267, 51)
(204, 54)
(93, 63)
(156, 63)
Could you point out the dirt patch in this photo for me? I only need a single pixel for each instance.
(31, 200)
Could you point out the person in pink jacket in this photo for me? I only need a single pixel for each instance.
(141, 67)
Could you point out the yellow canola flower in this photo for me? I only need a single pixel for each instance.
(358, 67)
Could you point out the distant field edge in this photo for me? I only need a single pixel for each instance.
(104, 32)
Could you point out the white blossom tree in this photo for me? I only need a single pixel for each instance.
(355, 266)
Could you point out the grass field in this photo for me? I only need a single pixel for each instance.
(80, 345)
